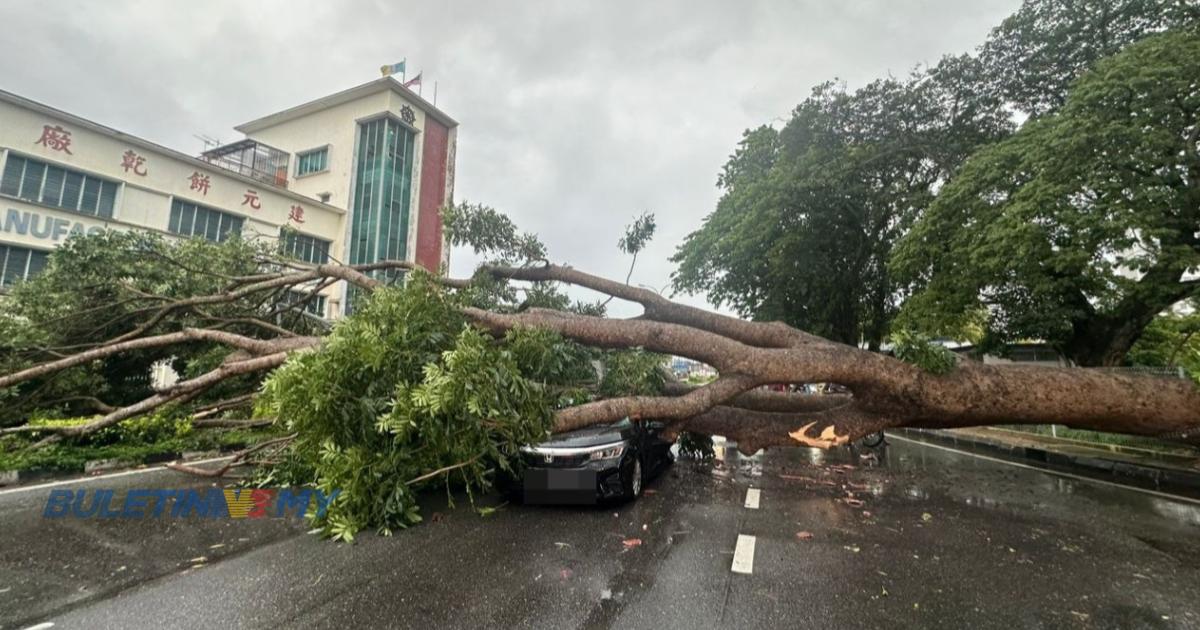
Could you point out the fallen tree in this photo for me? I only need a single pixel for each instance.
(438, 377)
(886, 392)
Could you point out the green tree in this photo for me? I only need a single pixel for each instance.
(421, 388)
(1035, 55)
(1172, 340)
(1082, 227)
(111, 285)
(404, 387)
(809, 213)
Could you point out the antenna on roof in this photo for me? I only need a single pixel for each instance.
(209, 141)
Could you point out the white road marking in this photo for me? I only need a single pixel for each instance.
(123, 473)
(752, 495)
(41, 626)
(1165, 495)
(743, 555)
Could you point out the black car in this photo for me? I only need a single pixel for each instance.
(595, 464)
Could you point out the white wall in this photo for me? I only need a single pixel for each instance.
(144, 201)
(337, 128)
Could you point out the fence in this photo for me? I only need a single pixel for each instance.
(1146, 370)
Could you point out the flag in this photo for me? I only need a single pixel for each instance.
(413, 81)
(394, 68)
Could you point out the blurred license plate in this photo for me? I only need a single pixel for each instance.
(544, 485)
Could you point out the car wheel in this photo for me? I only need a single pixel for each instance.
(633, 484)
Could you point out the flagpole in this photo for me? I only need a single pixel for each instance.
(435, 93)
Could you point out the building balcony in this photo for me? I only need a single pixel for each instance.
(252, 159)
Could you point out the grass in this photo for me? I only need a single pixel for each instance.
(1099, 437)
(67, 457)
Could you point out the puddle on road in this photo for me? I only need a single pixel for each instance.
(992, 485)
(913, 472)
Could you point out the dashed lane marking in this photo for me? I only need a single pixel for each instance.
(752, 496)
(743, 555)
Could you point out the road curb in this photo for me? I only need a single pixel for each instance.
(1147, 475)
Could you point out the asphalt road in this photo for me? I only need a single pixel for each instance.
(919, 537)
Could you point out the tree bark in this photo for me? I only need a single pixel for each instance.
(885, 392)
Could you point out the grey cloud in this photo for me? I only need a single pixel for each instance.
(575, 116)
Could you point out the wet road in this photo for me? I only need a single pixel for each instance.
(917, 537)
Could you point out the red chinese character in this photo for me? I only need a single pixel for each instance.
(56, 138)
(199, 182)
(252, 199)
(135, 162)
(296, 214)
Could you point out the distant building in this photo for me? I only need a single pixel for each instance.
(1027, 353)
(358, 176)
(683, 367)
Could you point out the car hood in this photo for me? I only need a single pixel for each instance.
(591, 436)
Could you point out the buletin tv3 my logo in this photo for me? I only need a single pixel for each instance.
(170, 503)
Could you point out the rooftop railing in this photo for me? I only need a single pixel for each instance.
(252, 159)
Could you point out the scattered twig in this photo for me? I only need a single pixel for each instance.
(440, 471)
(237, 459)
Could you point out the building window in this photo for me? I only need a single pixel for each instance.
(303, 247)
(58, 187)
(312, 162)
(20, 263)
(189, 219)
(315, 305)
(382, 191)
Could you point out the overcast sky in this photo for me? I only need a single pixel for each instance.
(574, 116)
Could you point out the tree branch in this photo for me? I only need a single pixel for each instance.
(227, 423)
(235, 460)
(765, 400)
(430, 475)
(658, 308)
(657, 407)
(212, 409)
(180, 392)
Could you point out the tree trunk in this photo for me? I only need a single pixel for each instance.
(885, 392)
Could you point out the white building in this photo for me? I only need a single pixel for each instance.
(359, 176)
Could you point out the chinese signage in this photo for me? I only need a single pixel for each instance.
(56, 139)
(131, 161)
(199, 182)
(251, 199)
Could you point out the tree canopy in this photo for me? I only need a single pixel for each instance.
(1082, 227)
(1172, 340)
(809, 213)
(112, 286)
(1034, 55)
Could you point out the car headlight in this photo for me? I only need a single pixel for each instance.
(608, 453)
